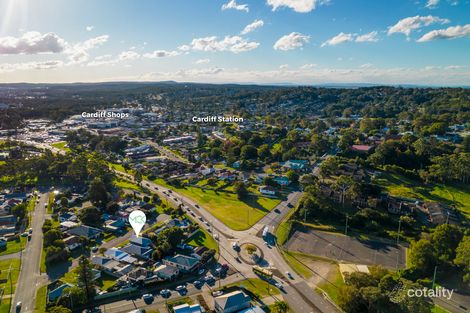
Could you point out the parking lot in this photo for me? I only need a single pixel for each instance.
(347, 249)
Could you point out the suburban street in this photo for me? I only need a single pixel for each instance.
(28, 280)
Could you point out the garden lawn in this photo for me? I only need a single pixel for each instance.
(61, 145)
(236, 214)
(202, 238)
(14, 246)
(400, 186)
(15, 271)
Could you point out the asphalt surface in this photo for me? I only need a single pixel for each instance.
(347, 249)
(28, 280)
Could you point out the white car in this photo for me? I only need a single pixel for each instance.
(180, 288)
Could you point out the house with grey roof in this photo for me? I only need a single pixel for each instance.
(232, 302)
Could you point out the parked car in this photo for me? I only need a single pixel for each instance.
(180, 288)
(217, 293)
(18, 306)
(30, 230)
(148, 298)
(166, 293)
(198, 284)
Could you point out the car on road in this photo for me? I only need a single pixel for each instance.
(30, 230)
(277, 211)
(235, 246)
(170, 191)
(279, 285)
(94, 249)
(288, 274)
(200, 218)
(209, 229)
(289, 205)
(18, 306)
(216, 236)
(148, 298)
(29, 237)
(197, 206)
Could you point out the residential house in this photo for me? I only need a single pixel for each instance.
(186, 308)
(363, 149)
(72, 242)
(439, 213)
(282, 180)
(119, 255)
(182, 262)
(57, 292)
(232, 302)
(296, 165)
(110, 266)
(85, 231)
(166, 272)
(267, 190)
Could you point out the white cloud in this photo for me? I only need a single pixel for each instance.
(292, 41)
(343, 37)
(369, 37)
(161, 54)
(89, 28)
(284, 66)
(407, 25)
(128, 55)
(301, 6)
(43, 65)
(78, 53)
(366, 65)
(235, 44)
(32, 43)
(232, 4)
(448, 33)
(202, 61)
(307, 66)
(251, 27)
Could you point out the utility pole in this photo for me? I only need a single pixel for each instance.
(447, 219)
(434, 276)
(346, 228)
(399, 227)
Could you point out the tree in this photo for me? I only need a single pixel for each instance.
(248, 152)
(19, 211)
(85, 278)
(90, 216)
(207, 256)
(329, 167)
(264, 152)
(292, 176)
(462, 257)
(240, 190)
(215, 154)
(281, 307)
(138, 177)
(72, 297)
(51, 236)
(422, 255)
(445, 239)
(58, 309)
(97, 193)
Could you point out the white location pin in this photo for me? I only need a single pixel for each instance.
(137, 220)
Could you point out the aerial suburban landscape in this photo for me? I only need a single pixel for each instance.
(207, 178)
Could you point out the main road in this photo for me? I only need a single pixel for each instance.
(28, 280)
(300, 297)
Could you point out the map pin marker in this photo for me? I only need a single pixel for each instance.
(137, 220)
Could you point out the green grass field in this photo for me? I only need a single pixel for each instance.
(127, 185)
(398, 185)
(256, 286)
(15, 271)
(332, 285)
(61, 145)
(202, 238)
(5, 305)
(40, 306)
(14, 246)
(235, 213)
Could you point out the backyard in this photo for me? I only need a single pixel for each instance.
(400, 186)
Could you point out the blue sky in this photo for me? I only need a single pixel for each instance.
(260, 41)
